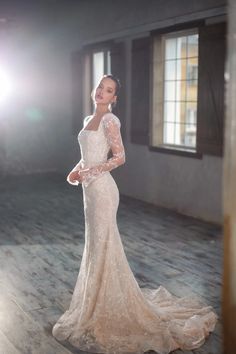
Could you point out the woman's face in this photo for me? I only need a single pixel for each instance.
(105, 92)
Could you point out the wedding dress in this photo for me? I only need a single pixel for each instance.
(109, 312)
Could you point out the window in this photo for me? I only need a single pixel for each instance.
(177, 101)
(175, 90)
(101, 65)
(96, 64)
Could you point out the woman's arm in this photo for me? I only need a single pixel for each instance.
(114, 139)
(77, 166)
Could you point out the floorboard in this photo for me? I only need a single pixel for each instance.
(41, 244)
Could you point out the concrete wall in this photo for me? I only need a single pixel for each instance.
(36, 120)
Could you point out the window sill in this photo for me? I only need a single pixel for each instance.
(176, 151)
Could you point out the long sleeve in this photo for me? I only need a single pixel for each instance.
(114, 139)
(77, 166)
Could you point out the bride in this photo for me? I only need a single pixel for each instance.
(109, 312)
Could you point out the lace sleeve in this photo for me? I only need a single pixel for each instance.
(114, 139)
(77, 166)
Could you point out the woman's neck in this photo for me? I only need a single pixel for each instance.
(100, 110)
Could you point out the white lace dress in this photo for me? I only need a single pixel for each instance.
(109, 312)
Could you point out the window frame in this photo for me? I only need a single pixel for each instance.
(172, 32)
(82, 84)
(88, 83)
(211, 103)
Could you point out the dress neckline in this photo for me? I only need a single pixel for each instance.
(92, 130)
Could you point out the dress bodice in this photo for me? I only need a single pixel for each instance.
(94, 145)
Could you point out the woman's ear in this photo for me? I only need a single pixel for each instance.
(114, 100)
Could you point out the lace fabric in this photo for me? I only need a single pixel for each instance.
(111, 125)
(109, 313)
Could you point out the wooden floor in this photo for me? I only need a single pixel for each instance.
(41, 243)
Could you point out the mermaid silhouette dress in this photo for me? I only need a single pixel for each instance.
(109, 312)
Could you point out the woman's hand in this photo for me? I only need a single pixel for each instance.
(79, 176)
(83, 174)
(74, 178)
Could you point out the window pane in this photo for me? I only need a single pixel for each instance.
(190, 135)
(179, 134)
(180, 118)
(169, 130)
(192, 69)
(185, 135)
(169, 112)
(170, 52)
(170, 70)
(181, 90)
(170, 89)
(108, 69)
(181, 69)
(191, 113)
(181, 47)
(192, 90)
(193, 45)
(180, 109)
(98, 67)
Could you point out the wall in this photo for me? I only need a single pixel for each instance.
(36, 121)
(188, 185)
(36, 118)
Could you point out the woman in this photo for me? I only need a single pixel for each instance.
(109, 313)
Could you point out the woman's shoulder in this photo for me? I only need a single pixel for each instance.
(86, 119)
(110, 118)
